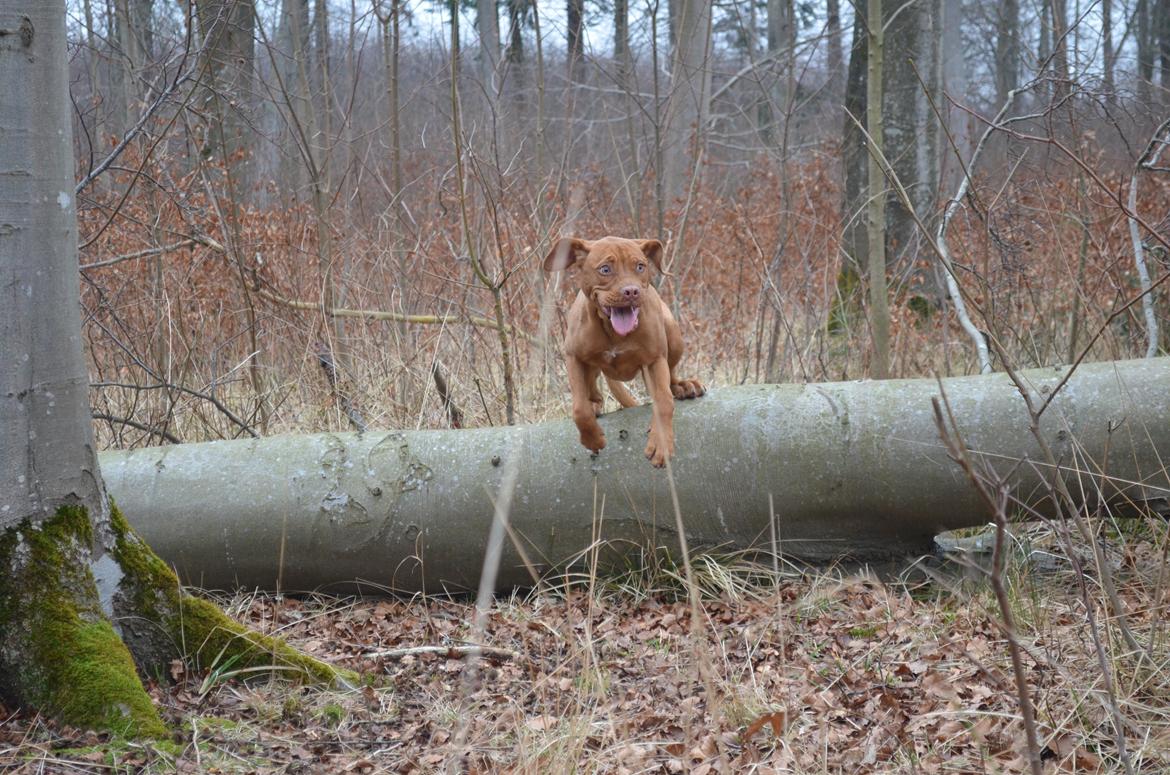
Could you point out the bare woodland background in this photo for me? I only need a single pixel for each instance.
(332, 214)
(321, 215)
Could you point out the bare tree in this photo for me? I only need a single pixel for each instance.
(1144, 35)
(83, 601)
(879, 315)
(575, 39)
(782, 56)
(1007, 49)
(487, 24)
(687, 101)
(836, 57)
(228, 31)
(1108, 52)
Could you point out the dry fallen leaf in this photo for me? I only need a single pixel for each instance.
(777, 720)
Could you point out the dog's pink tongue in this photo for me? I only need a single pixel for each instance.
(624, 319)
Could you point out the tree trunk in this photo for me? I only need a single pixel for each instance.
(854, 469)
(391, 48)
(227, 31)
(293, 45)
(82, 600)
(954, 82)
(541, 129)
(1145, 51)
(686, 103)
(575, 39)
(1007, 50)
(1108, 53)
(121, 70)
(854, 250)
(624, 64)
(1161, 35)
(487, 23)
(322, 73)
(781, 42)
(142, 27)
(926, 290)
(516, 73)
(836, 64)
(515, 50)
(879, 314)
(903, 121)
(1060, 73)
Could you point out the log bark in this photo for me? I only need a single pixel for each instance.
(855, 469)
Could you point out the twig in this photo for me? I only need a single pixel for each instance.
(996, 503)
(140, 125)
(325, 358)
(370, 314)
(163, 384)
(135, 424)
(450, 652)
(454, 413)
(140, 254)
(1147, 160)
(944, 251)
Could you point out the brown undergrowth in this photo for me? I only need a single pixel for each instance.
(189, 333)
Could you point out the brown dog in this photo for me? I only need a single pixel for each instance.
(619, 326)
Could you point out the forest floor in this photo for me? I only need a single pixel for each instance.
(833, 671)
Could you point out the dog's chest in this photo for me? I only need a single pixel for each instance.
(622, 362)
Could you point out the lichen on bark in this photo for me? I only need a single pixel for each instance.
(58, 652)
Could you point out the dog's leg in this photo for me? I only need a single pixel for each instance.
(621, 393)
(660, 445)
(679, 388)
(595, 396)
(582, 382)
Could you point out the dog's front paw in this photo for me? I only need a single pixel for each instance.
(687, 388)
(593, 439)
(598, 406)
(659, 448)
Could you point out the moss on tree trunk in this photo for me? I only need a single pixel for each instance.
(205, 634)
(61, 654)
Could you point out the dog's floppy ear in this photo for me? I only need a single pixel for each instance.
(653, 250)
(565, 253)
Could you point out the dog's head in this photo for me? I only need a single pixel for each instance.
(612, 272)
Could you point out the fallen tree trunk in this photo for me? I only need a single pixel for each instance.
(854, 469)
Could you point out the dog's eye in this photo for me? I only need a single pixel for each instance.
(641, 267)
(605, 269)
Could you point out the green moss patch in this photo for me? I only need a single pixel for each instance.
(62, 656)
(208, 636)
